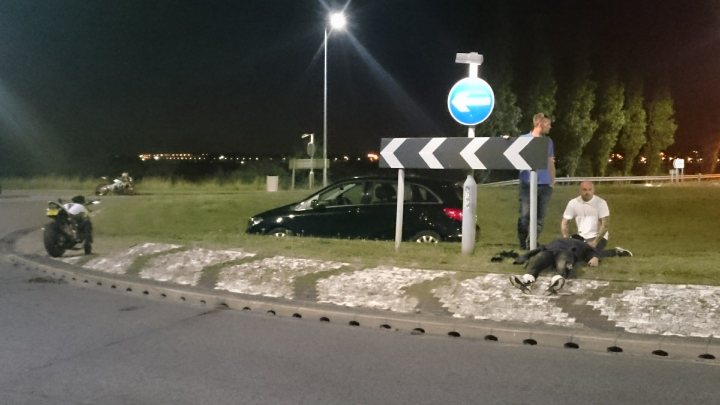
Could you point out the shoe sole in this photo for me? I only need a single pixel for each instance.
(520, 286)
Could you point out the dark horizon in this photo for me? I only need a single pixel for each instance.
(120, 78)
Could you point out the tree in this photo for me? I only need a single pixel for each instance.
(610, 120)
(506, 113)
(632, 134)
(576, 125)
(711, 156)
(661, 128)
(542, 91)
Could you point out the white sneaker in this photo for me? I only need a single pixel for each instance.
(557, 282)
(623, 252)
(523, 282)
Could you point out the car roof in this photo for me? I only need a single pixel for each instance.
(413, 178)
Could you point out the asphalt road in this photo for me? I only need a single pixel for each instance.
(61, 344)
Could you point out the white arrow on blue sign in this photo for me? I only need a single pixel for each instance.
(471, 100)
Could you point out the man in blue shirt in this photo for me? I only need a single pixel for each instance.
(546, 181)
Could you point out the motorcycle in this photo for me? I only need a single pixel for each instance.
(122, 185)
(70, 227)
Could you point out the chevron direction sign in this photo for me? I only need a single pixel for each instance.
(522, 153)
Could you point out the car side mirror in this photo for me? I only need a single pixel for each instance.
(316, 205)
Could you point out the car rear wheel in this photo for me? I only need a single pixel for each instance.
(426, 237)
(280, 232)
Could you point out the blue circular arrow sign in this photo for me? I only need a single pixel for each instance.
(471, 100)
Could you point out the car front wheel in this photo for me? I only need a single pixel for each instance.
(280, 232)
(426, 237)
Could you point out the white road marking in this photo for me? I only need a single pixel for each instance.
(378, 288)
(120, 263)
(492, 297)
(681, 310)
(186, 267)
(272, 277)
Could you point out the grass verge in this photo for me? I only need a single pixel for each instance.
(670, 228)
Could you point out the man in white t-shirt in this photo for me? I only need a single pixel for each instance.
(592, 218)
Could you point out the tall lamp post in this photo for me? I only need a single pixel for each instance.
(337, 22)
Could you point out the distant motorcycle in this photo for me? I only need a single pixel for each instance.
(70, 227)
(122, 185)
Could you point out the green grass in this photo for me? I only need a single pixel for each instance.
(49, 182)
(149, 184)
(671, 229)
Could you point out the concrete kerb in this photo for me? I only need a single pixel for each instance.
(706, 350)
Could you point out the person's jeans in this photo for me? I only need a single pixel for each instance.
(543, 199)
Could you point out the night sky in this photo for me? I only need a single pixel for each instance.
(125, 76)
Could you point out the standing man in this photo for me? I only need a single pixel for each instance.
(592, 218)
(546, 181)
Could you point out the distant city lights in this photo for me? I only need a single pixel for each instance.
(371, 157)
(225, 157)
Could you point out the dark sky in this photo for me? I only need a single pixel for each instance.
(130, 76)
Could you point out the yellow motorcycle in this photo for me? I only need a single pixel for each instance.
(70, 227)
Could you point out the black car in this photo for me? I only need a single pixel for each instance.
(365, 207)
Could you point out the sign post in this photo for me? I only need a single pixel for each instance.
(399, 210)
(679, 165)
(311, 153)
(304, 164)
(501, 153)
(470, 102)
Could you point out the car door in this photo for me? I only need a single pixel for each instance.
(333, 212)
(377, 212)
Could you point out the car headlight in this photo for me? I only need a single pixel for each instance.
(255, 221)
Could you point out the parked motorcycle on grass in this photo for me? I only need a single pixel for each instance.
(70, 227)
(122, 185)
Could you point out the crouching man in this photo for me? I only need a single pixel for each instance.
(560, 255)
(81, 216)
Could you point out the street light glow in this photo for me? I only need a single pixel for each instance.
(337, 21)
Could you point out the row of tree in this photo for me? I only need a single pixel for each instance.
(593, 116)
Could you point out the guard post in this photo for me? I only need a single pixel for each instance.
(470, 102)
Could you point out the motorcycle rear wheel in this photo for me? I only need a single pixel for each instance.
(54, 240)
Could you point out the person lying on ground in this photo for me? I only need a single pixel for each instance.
(561, 256)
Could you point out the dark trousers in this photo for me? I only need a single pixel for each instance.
(543, 200)
(561, 262)
(85, 230)
(600, 248)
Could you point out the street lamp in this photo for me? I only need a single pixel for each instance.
(337, 22)
(311, 153)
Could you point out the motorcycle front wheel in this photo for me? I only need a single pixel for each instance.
(54, 240)
(102, 189)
